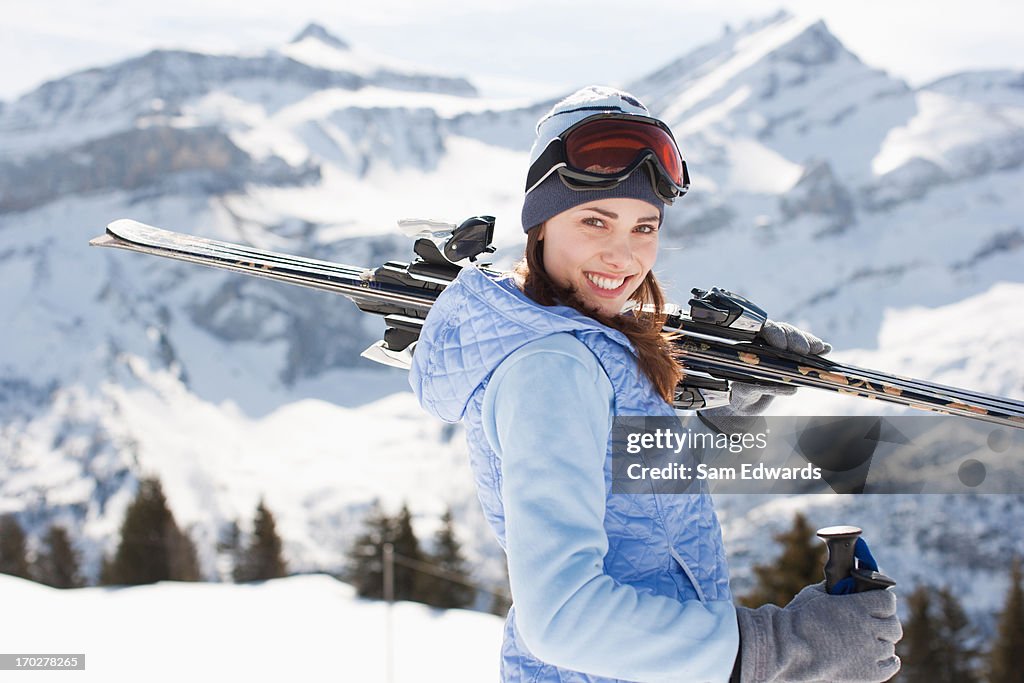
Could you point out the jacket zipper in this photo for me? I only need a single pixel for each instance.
(689, 574)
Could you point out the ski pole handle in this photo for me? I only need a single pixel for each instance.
(841, 543)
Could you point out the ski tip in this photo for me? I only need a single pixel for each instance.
(102, 241)
(120, 231)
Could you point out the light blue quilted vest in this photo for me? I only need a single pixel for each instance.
(667, 545)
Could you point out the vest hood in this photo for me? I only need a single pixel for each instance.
(475, 323)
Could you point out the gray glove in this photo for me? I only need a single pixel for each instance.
(749, 399)
(821, 637)
(785, 337)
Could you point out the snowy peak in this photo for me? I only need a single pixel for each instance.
(317, 32)
(779, 51)
(318, 48)
(814, 45)
(754, 25)
(704, 59)
(177, 87)
(779, 90)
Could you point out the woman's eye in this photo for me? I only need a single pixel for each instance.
(646, 229)
(596, 222)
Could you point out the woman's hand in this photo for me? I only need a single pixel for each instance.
(821, 637)
(786, 337)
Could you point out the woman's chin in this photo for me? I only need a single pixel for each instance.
(604, 306)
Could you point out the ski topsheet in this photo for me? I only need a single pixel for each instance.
(351, 281)
(403, 293)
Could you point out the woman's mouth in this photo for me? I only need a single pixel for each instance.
(607, 287)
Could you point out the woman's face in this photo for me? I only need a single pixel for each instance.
(602, 250)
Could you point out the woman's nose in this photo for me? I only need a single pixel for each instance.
(617, 252)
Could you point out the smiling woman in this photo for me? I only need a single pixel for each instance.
(608, 586)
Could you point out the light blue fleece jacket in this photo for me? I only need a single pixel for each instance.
(605, 586)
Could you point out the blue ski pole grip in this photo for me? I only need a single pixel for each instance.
(851, 568)
(863, 555)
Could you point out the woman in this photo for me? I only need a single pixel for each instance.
(609, 586)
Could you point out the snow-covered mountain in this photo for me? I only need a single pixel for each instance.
(828, 191)
(831, 193)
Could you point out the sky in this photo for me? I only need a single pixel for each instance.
(509, 48)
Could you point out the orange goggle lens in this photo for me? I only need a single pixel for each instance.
(610, 146)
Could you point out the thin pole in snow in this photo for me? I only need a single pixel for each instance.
(389, 598)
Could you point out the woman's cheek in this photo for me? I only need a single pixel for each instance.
(651, 254)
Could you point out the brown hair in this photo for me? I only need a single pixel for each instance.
(657, 356)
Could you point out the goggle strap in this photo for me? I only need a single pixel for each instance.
(551, 158)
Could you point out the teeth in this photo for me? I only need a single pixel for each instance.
(605, 283)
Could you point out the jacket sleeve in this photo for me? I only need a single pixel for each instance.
(547, 414)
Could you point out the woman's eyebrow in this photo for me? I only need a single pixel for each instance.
(603, 212)
(615, 216)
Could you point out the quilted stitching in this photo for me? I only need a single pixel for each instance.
(474, 325)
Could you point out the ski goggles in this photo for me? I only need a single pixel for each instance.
(602, 150)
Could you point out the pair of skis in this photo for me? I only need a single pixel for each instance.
(717, 337)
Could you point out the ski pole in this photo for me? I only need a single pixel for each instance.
(841, 543)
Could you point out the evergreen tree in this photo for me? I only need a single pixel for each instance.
(962, 656)
(937, 644)
(57, 564)
(1005, 657)
(449, 588)
(183, 556)
(152, 547)
(262, 559)
(408, 576)
(13, 555)
(801, 562)
(365, 570)
(916, 648)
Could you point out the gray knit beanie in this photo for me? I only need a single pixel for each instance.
(553, 196)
